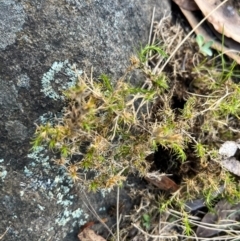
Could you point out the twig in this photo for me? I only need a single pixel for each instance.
(151, 28)
(150, 36)
(92, 210)
(115, 128)
(118, 233)
(4, 233)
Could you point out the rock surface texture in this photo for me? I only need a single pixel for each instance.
(41, 44)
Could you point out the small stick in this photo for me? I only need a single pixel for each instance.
(4, 233)
(150, 33)
(118, 238)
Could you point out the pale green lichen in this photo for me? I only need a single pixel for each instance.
(41, 207)
(49, 79)
(58, 188)
(23, 81)
(27, 172)
(39, 157)
(68, 215)
(105, 191)
(3, 171)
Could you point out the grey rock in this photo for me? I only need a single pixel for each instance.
(8, 95)
(23, 81)
(16, 131)
(12, 18)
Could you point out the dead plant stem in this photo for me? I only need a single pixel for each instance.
(4, 232)
(92, 210)
(117, 215)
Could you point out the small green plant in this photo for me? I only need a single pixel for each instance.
(146, 221)
(150, 50)
(204, 47)
(187, 225)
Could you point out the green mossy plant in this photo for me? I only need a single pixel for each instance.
(112, 128)
(209, 116)
(108, 122)
(109, 129)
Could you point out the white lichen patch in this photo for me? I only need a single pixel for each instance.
(3, 172)
(53, 86)
(73, 216)
(50, 195)
(54, 183)
(23, 81)
(41, 207)
(27, 172)
(38, 155)
(45, 118)
(56, 189)
(105, 191)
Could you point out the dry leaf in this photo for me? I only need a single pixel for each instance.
(87, 225)
(162, 181)
(189, 5)
(225, 19)
(203, 231)
(193, 205)
(88, 234)
(229, 150)
(231, 50)
(224, 215)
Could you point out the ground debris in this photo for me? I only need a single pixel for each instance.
(88, 234)
(223, 218)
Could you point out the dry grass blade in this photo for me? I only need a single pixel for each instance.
(2, 236)
(92, 210)
(117, 214)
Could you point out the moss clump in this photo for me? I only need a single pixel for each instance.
(200, 111)
(109, 129)
(111, 122)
